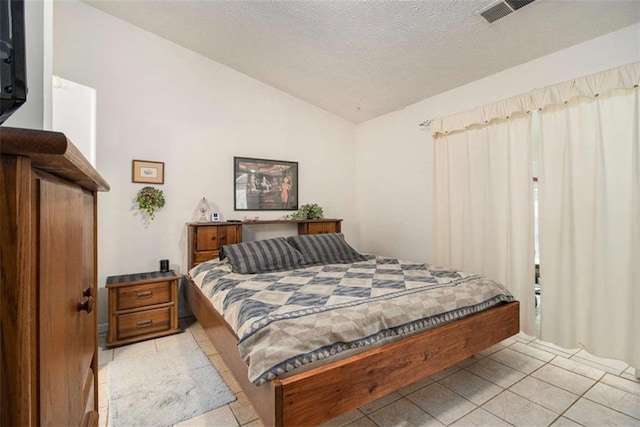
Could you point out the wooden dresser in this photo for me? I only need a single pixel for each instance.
(48, 359)
(206, 238)
(142, 306)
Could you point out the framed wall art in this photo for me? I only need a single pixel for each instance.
(148, 172)
(265, 185)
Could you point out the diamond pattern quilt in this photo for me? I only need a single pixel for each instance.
(288, 319)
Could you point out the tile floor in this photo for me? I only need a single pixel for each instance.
(520, 381)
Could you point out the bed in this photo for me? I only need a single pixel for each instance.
(282, 314)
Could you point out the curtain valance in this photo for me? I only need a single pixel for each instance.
(593, 85)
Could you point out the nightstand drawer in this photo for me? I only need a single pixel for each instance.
(199, 257)
(143, 295)
(143, 322)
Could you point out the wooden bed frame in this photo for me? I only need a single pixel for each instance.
(319, 394)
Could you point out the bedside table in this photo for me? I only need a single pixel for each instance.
(142, 306)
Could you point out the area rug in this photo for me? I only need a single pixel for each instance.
(161, 389)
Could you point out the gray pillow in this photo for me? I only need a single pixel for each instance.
(330, 248)
(262, 255)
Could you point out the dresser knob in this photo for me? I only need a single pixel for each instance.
(88, 292)
(86, 304)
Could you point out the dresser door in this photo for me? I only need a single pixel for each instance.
(89, 321)
(207, 238)
(65, 345)
(228, 235)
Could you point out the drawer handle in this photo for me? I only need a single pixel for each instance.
(144, 323)
(86, 304)
(145, 294)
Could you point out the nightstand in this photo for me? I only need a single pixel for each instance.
(142, 306)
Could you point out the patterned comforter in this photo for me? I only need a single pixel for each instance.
(288, 319)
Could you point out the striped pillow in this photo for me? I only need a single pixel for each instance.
(330, 248)
(262, 255)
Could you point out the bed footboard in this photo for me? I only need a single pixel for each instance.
(312, 397)
(322, 393)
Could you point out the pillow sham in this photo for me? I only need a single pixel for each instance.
(259, 256)
(330, 248)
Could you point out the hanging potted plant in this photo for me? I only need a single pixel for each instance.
(149, 200)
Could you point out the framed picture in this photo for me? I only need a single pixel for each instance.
(148, 172)
(265, 185)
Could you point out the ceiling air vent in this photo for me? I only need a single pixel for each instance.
(517, 4)
(500, 9)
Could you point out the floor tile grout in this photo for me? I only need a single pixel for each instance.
(515, 354)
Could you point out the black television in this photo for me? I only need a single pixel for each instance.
(13, 58)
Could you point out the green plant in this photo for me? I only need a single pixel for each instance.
(309, 211)
(150, 199)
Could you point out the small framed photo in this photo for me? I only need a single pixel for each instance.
(215, 216)
(148, 172)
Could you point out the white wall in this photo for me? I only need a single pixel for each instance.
(395, 155)
(74, 114)
(158, 101)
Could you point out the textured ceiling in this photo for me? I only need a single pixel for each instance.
(362, 59)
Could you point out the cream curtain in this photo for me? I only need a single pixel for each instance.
(592, 86)
(589, 210)
(589, 206)
(484, 207)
